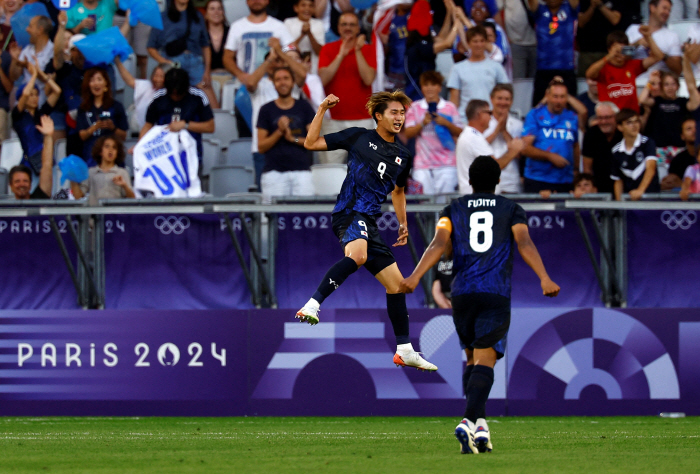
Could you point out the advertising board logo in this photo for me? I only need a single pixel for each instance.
(388, 221)
(172, 224)
(678, 219)
(168, 354)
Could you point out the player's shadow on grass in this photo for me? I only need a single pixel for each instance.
(335, 385)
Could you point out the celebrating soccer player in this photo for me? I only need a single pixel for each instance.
(479, 230)
(377, 165)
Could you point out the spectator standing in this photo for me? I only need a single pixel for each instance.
(551, 133)
(597, 146)
(138, 38)
(395, 44)
(348, 65)
(680, 162)
(109, 179)
(666, 117)
(596, 20)
(99, 114)
(282, 125)
(217, 29)
(667, 40)
(497, 45)
(26, 116)
(472, 143)
(589, 98)
(39, 51)
(617, 72)
(10, 7)
(422, 47)
(523, 41)
(503, 127)
(183, 42)
(180, 107)
(91, 16)
(143, 88)
(20, 176)
(308, 33)
(634, 159)
(476, 77)
(247, 43)
(434, 163)
(555, 26)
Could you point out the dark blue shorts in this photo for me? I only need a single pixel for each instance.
(482, 320)
(355, 225)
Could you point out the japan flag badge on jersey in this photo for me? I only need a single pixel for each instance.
(398, 160)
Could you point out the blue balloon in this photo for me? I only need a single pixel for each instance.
(362, 4)
(64, 4)
(20, 21)
(145, 11)
(73, 168)
(104, 46)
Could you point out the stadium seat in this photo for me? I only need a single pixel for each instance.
(227, 179)
(4, 182)
(59, 150)
(227, 95)
(239, 152)
(328, 178)
(581, 85)
(226, 128)
(216, 87)
(11, 154)
(522, 96)
(211, 155)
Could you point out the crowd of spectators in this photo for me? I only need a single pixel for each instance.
(284, 57)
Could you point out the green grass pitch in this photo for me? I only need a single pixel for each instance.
(362, 445)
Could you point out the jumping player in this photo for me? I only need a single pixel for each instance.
(479, 230)
(377, 165)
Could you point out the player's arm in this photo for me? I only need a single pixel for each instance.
(314, 141)
(398, 199)
(529, 252)
(431, 256)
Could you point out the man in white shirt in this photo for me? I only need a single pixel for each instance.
(472, 143)
(503, 128)
(667, 40)
(40, 46)
(248, 41)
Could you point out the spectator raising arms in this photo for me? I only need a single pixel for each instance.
(27, 115)
(20, 176)
(99, 114)
(143, 89)
(90, 16)
(106, 180)
(308, 32)
(183, 42)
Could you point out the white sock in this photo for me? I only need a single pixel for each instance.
(404, 348)
(312, 303)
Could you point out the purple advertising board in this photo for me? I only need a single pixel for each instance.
(559, 361)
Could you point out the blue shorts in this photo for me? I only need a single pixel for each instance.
(354, 226)
(482, 320)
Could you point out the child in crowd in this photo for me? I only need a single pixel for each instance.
(308, 32)
(106, 180)
(634, 159)
(583, 184)
(691, 180)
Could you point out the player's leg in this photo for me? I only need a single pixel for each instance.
(390, 277)
(477, 392)
(463, 311)
(352, 232)
(468, 368)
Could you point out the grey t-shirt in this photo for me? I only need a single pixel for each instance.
(475, 80)
(100, 184)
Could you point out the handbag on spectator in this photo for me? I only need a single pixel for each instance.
(178, 46)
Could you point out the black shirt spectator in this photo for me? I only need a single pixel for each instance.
(599, 147)
(285, 155)
(665, 121)
(680, 162)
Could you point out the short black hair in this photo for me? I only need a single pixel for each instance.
(582, 177)
(624, 115)
(177, 81)
(484, 174)
(617, 36)
(19, 169)
(474, 107)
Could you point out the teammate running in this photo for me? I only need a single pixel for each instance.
(377, 165)
(479, 230)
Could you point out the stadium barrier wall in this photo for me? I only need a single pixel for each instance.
(560, 361)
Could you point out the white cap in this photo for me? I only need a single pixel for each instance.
(74, 39)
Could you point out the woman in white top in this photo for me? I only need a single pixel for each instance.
(143, 91)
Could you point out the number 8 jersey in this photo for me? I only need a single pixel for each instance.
(482, 242)
(375, 166)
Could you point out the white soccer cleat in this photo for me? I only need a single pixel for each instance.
(308, 314)
(482, 436)
(465, 436)
(413, 359)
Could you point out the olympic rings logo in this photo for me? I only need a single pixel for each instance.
(388, 221)
(172, 224)
(678, 219)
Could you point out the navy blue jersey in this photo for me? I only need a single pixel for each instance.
(375, 166)
(482, 242)
(630, 165)
(555, 36)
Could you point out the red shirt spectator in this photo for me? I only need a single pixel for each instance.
(347, 82)
(617, 84)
